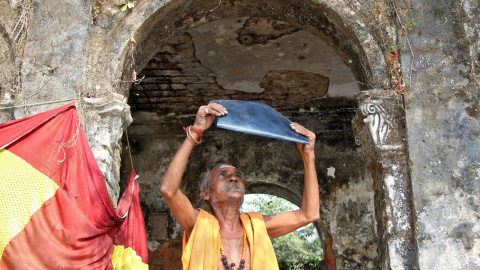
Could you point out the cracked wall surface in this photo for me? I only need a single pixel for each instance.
(83, 49)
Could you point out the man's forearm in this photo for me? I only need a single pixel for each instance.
(310, 200)
(174, 174)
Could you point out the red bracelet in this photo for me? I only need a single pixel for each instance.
(194, 129)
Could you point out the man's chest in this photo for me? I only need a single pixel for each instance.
(235, 257)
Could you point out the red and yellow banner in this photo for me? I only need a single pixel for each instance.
(55, 212)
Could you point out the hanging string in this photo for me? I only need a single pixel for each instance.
(36, 104)
(129, 153)
(131, 162)
(216, 6)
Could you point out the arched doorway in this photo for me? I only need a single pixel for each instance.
(295, 69)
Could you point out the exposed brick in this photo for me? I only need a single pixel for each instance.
(167, 72)
(199, 86)
(178, 86)
(161, 93)
(150, 86)
(137, 94)
(144, 106)
(168, 65)
(146, 73)
(141, 100)
(148, 80)
(185, 79)
(164, 86)
(159, 57)
(167, 257)
(137, 88)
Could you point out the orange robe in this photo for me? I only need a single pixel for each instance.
(202, 250)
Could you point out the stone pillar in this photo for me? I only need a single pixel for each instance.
(104, 121)
(6, 111)
(379, 128)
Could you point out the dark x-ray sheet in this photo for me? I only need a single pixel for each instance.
(258, 119)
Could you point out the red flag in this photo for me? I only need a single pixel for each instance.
(130, 239)
(55, 210)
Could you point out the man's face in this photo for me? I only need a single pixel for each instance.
(226, 183)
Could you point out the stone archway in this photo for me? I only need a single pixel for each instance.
(171, 95)
(173, 105)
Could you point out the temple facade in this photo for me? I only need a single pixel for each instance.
(390, 88)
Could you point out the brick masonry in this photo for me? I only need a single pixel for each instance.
(167, 257)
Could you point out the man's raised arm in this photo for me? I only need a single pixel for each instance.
(310, 209)
(179, 204)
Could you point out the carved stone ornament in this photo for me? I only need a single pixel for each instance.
(377, 124)
(104, 120)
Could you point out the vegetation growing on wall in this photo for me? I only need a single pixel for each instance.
(13, 30)
(390, 28)
(394, 16)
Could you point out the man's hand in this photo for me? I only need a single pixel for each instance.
(206, 115)
(304, 148)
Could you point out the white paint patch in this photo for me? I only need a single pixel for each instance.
(331, 172)
(390, 185)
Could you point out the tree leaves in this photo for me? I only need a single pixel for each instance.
(128, 5)
(295, 249)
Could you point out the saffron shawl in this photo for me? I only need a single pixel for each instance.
(202, 249)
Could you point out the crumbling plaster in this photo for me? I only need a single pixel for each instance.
(69, 52)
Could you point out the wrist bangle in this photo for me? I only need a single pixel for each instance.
(190, 136)
(196, 131)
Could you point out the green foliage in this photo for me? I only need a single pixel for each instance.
(312, 262)
(128, 5)
(411, 24)
(294, 249)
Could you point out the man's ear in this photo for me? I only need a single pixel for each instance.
(204, 195)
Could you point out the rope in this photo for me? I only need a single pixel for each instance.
(129, 153)
(134, 80)
(131, 162)
(36, 104)
(216, 6)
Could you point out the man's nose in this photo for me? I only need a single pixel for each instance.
(233, 178)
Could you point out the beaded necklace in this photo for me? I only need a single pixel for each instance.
(244, 252)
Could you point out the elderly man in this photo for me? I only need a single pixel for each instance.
(228, 239)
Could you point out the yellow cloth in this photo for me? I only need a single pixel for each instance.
(202, 250)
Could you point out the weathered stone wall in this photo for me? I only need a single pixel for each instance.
(443, 127)
(72, 49)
